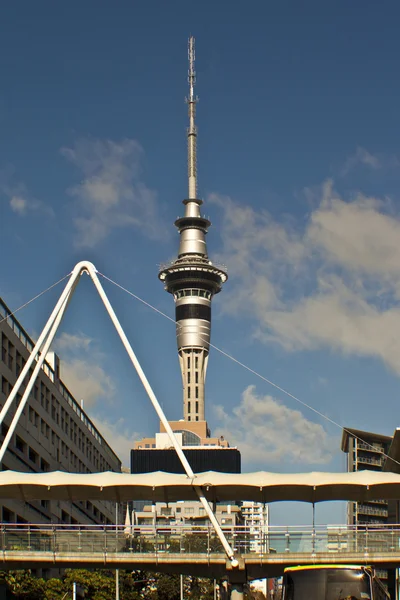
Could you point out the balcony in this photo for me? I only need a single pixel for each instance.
(371, 510)
(368, 460)
(370, 447)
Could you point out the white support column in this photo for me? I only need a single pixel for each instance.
(69, 288)
(161, 415)
(41, 348)
(38, 353)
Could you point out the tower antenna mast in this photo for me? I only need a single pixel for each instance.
(192, 129)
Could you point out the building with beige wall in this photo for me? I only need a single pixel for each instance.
(53, 433)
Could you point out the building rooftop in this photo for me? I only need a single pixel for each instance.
(367, 436)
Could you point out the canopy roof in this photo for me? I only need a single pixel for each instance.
(168, 487)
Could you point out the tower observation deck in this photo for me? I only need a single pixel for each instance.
(192, 278)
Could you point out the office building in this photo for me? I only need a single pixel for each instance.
(53, 433)
(373, 452)
(366, 450)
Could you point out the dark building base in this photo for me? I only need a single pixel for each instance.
(222, 460)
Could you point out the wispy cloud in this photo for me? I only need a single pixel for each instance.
(361, 157)
(332, 282)
(281, 433)
(112, 193)
(18, 197)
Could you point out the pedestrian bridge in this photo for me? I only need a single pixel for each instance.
(195, 549)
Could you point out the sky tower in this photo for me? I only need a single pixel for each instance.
(192, 278)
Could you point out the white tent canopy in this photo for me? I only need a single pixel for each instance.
(167, 487)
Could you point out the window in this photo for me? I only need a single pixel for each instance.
(197, 392)
(188, 362)
(188, 407)
(33, 456)
(5, 386)
(188, 392)
(188, 377)
(197, 377)
(189, 510)
(196, 362)
(197, 406)
(20, 444)
(8, 516)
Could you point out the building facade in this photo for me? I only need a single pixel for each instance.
(366, 451)
(255, 520)
(53, 433)
(187, 513)
(371, 451)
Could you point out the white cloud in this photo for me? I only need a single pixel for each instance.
(268, 432)
(111, 194)
(361, 235)
(87, 381)
(82, 370)
(333, 282)
(69, 342)
(19, 205)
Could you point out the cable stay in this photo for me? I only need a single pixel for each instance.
(256, 373)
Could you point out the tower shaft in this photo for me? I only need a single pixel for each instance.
(192, 278)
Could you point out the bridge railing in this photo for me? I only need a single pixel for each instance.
(190, 539)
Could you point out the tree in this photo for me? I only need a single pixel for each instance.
(54, 589)
(98, 584)
(24, 586)
(164, 587)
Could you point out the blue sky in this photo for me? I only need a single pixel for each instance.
(299, 168)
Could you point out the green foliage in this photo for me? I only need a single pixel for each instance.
(24, 586)
(99, 584)
(165, 587)
(54, 589)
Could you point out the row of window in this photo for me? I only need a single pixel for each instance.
(51, 405)
(193, 292)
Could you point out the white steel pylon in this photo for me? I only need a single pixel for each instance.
(38, 356)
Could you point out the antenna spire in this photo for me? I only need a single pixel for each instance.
(192, 129)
